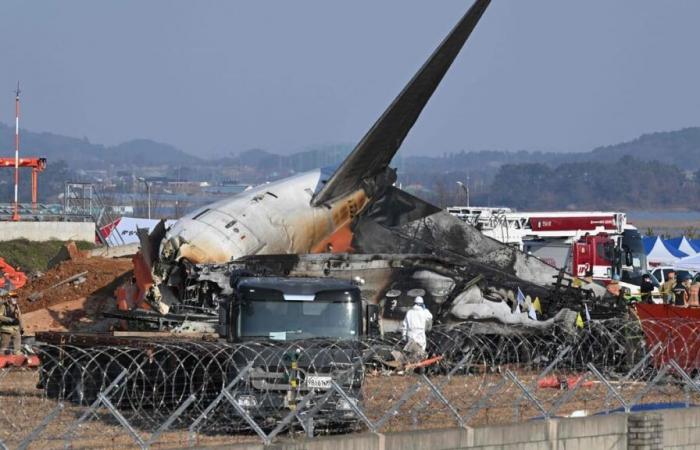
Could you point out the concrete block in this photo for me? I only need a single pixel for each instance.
(437, 439)
(535, 431)
(250, 446)
(681, 418)
(613, 424)
(362, 441)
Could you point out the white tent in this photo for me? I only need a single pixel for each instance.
(683, 244)
(661, 254)
(689, 263)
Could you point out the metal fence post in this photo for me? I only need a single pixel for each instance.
(484, 400)
(544, 373)
(410, 392)
(567, 396)
(243, 413)
(360, 413)
(688, 381)
(94, 405)
(647, 388)
(610, 388)
(527, 393)
(122, 421)
(39, 428)
(195, 424)
(165, 425)
(438, 393)
(291, 416)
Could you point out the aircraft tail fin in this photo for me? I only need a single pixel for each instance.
(375, 151)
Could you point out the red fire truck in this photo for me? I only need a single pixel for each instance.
(582, 242)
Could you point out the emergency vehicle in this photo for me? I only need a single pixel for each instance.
(598, 243)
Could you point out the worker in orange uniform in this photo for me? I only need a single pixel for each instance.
(10, 324)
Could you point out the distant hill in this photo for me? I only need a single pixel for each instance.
(82, 154)
(313, 158)
(680, 148)
(147, 152)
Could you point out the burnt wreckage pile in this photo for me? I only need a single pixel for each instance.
(354, 223)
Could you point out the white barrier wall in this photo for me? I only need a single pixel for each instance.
(46, 231)
(667, 429)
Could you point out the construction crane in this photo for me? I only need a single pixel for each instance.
(36, 164)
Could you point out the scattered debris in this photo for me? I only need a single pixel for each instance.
(75, 279)
(557, 382)
(31, 361)
(11, 278)
(68, 251)
(102, 278)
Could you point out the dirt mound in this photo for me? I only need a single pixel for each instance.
(102, 278)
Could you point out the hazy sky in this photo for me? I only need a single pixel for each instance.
(219, 76)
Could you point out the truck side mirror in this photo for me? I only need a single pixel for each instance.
(628, 258)
(373, 328)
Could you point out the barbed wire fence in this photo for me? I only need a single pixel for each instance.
(185, 393)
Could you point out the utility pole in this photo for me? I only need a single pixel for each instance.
(15, 212)
(148, 190)
(466, 189)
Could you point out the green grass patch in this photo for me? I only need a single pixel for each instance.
(32, 256)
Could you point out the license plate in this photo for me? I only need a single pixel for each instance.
(316, 382)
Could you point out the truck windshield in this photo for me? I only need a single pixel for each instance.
(329, 315)
(632, 243)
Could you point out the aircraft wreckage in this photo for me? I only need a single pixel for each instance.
(353, 223)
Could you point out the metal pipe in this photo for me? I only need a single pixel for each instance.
(15, 214)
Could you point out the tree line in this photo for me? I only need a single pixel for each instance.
(626, 183)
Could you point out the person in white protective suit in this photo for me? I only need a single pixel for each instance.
(418, 319)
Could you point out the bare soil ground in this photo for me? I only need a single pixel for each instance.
(75, 307)
(103, 276)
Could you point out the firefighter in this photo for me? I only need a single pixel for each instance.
(418, 319)
(10, 324)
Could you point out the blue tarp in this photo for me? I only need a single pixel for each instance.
(683, 244)
(659, 252)
(648, 242)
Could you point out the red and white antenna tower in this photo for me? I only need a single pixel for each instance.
(15, 213)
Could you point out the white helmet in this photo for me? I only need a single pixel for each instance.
(419, 300)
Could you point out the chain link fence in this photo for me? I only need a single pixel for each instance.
(183, 393)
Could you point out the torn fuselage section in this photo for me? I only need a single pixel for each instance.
(274, 218)
(402, 247)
